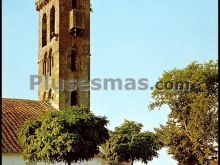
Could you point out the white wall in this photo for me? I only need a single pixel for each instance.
(12, 159)
(17, 159)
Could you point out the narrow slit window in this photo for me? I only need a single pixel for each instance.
(74, 4)
(50, 94)
(48, 65)
(44, 96)
(73, 61)
(74, 98)
(44, 31)
(52, 59)
(45, 64)
(50, 62)
(52, 22)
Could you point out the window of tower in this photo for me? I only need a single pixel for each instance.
(74, 4)
(74, 98)
(48, 65)
(45, 64)
(50, 62)
(44, 30)
(44, 96)
(52, 22)
(73, 61)
(50, 94)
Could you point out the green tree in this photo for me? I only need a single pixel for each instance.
(191, 132)
(70, 135)
(127, 143)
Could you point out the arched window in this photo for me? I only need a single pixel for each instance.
(74, 98)
(50, 62)
(44, 30)
(45, 64)
(50, 94)
(73, 61)
(48, 65)
(44, 96)
(74, 4)
(52, 22)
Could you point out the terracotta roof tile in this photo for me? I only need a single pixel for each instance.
(14, 113)
(215, 162)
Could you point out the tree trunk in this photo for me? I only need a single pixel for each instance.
(69, 163)
(193, 162)
(132, 162)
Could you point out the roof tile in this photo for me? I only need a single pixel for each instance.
(14, 113)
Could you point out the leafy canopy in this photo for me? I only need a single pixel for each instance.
(191, 133)
(70, 135)
(127, 143)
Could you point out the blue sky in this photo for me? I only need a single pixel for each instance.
(129, 39)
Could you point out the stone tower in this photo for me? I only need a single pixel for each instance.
(64, 51)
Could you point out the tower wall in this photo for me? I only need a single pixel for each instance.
(60, 47)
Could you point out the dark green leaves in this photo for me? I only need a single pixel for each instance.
(70, 135)
(191, 131)
(128, 143)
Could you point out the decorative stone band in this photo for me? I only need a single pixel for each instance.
(40, 3)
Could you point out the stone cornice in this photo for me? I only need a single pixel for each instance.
(40, 3)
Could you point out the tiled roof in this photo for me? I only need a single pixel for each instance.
(14, 113)
(215, 162)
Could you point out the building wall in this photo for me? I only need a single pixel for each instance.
(52, 45)
(17, 159)
(80, 44)
(12, 159)
(61, 46)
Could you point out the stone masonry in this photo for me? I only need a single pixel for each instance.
(64, 50)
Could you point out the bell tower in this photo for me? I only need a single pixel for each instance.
(64, 51)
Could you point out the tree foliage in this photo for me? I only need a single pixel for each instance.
(70, 135)
(127, 143)
(191, 133)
